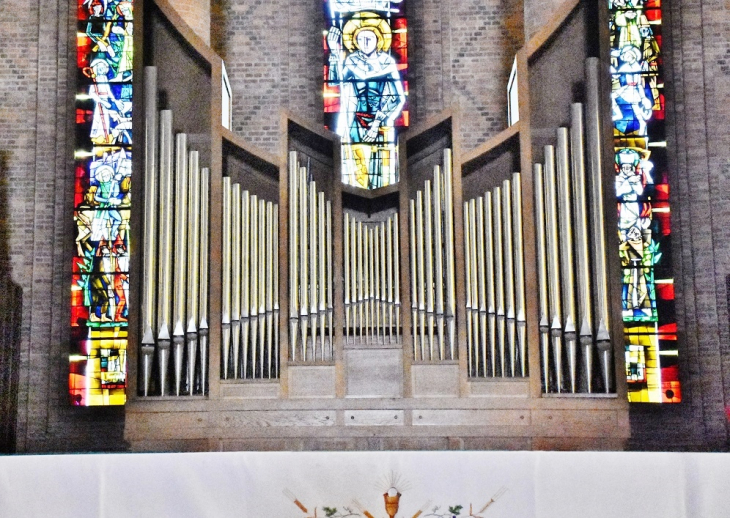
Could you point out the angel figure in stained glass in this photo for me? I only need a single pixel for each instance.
(371, 96)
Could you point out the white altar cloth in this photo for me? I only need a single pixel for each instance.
(351, 484)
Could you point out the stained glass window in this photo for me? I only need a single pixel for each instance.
(102, 203)
(365, 86)
(642, 191)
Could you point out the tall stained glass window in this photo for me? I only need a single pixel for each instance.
(365, 86)
(642, 191)
(103, 158)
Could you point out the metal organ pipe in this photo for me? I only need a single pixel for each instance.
(553, 265)
(562, 161)
(203, 289)
(598, 228)
(582, 255)
(542, 278)
(519, 267)
(149, 250)
(193, 275)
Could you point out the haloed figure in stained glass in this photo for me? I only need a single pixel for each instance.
(371, 98)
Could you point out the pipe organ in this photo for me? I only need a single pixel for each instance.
(495, 285)
(311, 324)
(571, 255)
(470, 301)
(175, 270)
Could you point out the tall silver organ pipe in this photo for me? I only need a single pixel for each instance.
(553, 265)
(582, 247)
(203, 290)
(499, 278)
(562, 161)
(180, 252)
(449, 239)
(180, 231)
(235, 275)
(347, 253)
(330, 281)
(293, 254)
(519, 267)
(149, 269)
(414, 274)
(509, 274)
(226, 274)
(597, 221)
(482, 289)
(164, 278)
(193, 274)
(542, 279)
(193, 260)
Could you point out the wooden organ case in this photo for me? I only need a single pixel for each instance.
(472, 305)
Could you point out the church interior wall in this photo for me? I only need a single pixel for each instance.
(461, 53)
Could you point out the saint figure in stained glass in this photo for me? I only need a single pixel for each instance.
(633, 99)
(633, 174)
(371, 97)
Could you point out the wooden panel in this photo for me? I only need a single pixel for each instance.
(176, 420)
(470, 417)
(374, 372)
(266, 418)
(306, 381)
(435, 380)
(374, 417)
(499, 388)
(249, 390)
(577, 423)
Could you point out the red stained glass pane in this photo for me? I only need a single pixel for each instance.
(665, 291)
(83, 50)
(662, 191)
(653, 15)
(668, 328)
(671, 392)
